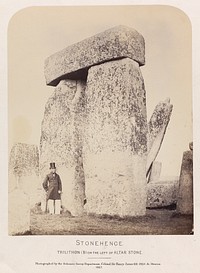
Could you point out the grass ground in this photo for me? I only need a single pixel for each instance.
(155, 222)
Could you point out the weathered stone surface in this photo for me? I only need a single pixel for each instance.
(185, 192)
(24, 170)
(156, 130)
(162, 193)
(74, 61)
(61, 142)
(18, 212)
(115, 143)
(24, 159)
(155, 171)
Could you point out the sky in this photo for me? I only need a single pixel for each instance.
(37, 32)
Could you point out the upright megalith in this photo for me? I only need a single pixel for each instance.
(24, 170)
(24, 160)
(156, 130)
(154, 174)
(95, 125)
(61, 141)
(23, 186)
(121, 51)
(115, 139)
(74, 61)
(185, 191)
(18, 212)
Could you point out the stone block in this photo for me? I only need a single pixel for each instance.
(74, 61)
(156, 130)
(115, 144)
(185, 192)
(61, 142)
(155, 171)
(24, 170)
(18, 212)
(24, 159)
(161, 194)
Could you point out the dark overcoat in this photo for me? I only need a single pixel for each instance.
(52, 184)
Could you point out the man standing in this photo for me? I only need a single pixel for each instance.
(53, 187)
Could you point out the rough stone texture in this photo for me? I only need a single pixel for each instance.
(61, 142)
(185, 193)
(115, 143)
(74, 61)
(155, 171)
(18, 212)
(156, 130)
(24, 170)
(162, 193)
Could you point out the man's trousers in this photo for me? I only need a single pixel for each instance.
(54, 206)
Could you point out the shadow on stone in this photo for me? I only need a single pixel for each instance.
(170, 207)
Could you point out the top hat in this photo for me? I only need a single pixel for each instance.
(52, 166)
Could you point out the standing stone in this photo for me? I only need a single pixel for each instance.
(155, 171)
(156, 130)
(61, 141)
(24, 170)
(23, 186)
(115, 143)
(185, 193)
(18, 212)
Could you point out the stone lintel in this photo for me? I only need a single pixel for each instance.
(74, 61)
